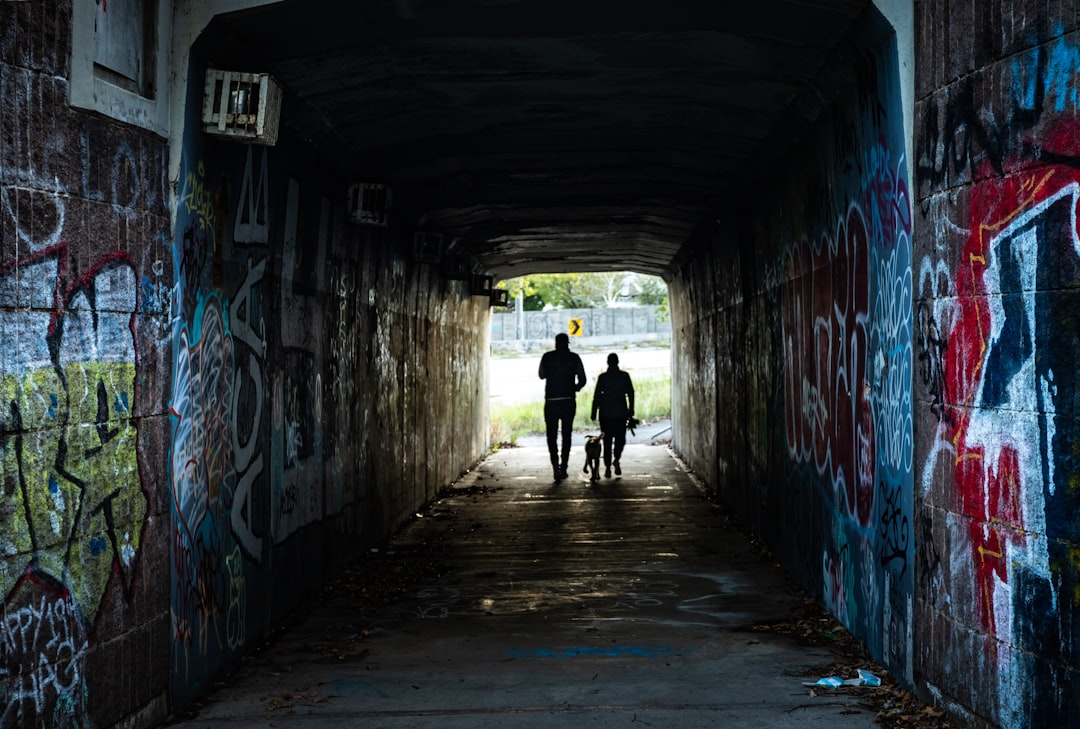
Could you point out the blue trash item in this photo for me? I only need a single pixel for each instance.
(868, 679)
(827, 682)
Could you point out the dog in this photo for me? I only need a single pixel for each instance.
(593, 446)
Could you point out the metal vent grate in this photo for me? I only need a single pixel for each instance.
(368, 203)
(244, 106)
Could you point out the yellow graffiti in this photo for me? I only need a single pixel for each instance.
(197, 198)
(1074, 564)
(79, 508)
(36, 396)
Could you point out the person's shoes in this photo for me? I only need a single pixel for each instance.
(618, 471)
(607, 472)
(558, 473)
(562, 472)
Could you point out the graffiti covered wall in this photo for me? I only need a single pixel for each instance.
(200, 419)
(306, 350)
(794, 346)
(83, 258)
(997, 290)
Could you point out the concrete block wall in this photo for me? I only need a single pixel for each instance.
(792, 353)
(203, 418)
(84, 372)
(997, 309)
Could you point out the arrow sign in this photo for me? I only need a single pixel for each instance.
(575, 327)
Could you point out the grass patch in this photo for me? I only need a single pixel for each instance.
(652, 401)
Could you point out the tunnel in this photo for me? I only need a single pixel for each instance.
(250, 255)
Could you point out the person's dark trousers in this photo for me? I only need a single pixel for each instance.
(614, 430)
(559, 415)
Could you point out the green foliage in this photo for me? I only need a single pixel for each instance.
(585, 290)
(652, 401)
(653, 291)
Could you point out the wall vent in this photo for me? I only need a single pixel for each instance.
(243, 106)
(481, 285)
(500, 297)
(368, 203)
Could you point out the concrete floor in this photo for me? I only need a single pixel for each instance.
(627, 602)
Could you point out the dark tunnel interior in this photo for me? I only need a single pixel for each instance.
(548, 138)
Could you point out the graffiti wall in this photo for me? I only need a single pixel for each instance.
(305, 349)
(997, 324)
(194, 413)
(797, 341)
(83, 253)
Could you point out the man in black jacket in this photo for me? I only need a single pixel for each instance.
(614, 399)
(565, 375)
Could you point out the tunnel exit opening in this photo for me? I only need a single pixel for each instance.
(621, 312)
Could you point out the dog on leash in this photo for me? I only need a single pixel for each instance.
(593, 446)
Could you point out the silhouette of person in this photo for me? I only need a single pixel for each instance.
(565, 375)
(614, 400)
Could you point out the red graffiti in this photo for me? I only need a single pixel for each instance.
(827, 417)
(992, 370)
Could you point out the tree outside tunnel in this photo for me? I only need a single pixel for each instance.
(586, 290)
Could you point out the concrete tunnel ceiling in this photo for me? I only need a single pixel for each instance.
(546, 135)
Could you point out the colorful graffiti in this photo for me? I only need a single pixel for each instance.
(216, 457)
(1009, 366)
(999, 302)
(826, 391)
(74, 507)
(847, 373)
(246, 457)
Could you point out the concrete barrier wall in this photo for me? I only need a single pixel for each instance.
(630, 323)
(200, 422)
(792, 360)
(997, 301)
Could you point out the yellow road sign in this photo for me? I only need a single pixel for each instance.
(575, 327)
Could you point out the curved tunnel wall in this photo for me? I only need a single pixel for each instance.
(792, 355)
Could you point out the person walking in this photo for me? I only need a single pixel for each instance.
(614, 401)
(565, 375)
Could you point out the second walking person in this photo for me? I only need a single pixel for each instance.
(614, 401)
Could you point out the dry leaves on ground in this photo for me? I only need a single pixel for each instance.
(894, 707)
